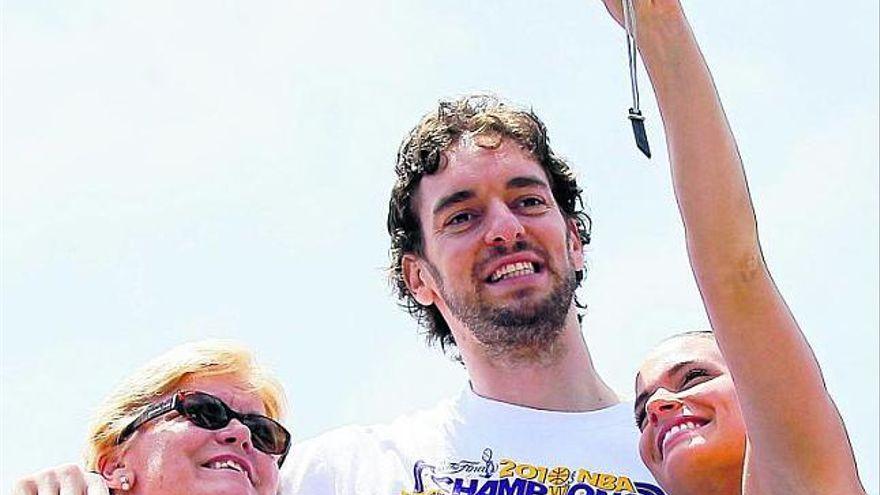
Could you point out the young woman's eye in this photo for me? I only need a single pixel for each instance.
(640, 419)
(694, 375)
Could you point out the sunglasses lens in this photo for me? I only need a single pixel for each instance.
(268, 436)
(205, 411)
(209, 412)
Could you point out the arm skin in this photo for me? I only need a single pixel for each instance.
(797, 440)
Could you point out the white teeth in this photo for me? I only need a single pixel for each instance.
(675, 429)
(513, 270)
(226, 465)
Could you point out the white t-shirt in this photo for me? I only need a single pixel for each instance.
(475, 446)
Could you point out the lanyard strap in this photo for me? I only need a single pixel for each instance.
(629, 23)
(635, 114)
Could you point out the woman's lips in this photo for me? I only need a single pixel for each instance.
(231, 463)
(676, 429)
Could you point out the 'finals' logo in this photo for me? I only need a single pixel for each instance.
(509, 477)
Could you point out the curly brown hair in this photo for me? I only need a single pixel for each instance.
(420, 154)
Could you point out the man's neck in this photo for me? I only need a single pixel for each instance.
(561, 379)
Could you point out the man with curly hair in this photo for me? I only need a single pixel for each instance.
(487, 234)
(483, 128)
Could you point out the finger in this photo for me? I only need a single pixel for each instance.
(26, 486)
(615, 8)
(96, 485)
(71, 482)
(47, 483)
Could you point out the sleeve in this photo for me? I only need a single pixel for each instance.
(308, 470)
(325, 465)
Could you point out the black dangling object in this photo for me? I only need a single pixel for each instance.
(635, 114)
(638, 123)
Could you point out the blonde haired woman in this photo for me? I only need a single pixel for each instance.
(201, 418)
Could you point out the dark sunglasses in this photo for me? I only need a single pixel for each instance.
(209, 412)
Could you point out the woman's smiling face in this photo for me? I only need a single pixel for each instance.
(171, 455)
(687, 409)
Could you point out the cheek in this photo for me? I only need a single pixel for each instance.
(645, 447)
(169, 454)
(646, 452)
(729, 430)
(722, 395)
(643, 452)
(461, 247)
(556, 240)
(733, 415)
(454, 264)
(186, 436)
(268, 470)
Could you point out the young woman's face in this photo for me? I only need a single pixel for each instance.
(687, 409)
(171, 455)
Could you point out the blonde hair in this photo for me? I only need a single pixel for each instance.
(163, 374)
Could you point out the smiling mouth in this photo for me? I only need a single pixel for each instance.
(513, 270)
(678, 430)
(227, 465)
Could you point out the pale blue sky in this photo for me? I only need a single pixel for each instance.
(179, 170)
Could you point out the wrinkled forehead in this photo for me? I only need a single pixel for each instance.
(669, 356)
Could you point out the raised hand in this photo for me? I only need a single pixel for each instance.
(648, 12)
(67, 479)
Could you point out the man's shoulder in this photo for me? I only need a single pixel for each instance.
(408, 427)
(376, 455)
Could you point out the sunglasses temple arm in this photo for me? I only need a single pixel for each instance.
(151, 413)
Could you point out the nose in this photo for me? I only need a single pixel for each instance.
(661, 404)
(235, 433)
(503, 227)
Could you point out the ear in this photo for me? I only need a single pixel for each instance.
(419, 279)
(116, 474)
(575, 246)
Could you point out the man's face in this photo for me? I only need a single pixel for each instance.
(498, 255)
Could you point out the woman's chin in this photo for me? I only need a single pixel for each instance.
(694, 464)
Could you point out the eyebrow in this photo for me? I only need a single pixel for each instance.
(525, 181)
(466, 194)
(454, 198)
(643, 397)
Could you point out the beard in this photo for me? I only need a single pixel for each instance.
(524, 329)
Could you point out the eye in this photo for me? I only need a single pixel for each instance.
(640, 419)
(459, 220)
(531, 203)
(698, 375)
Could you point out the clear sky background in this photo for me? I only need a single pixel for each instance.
(179, 170)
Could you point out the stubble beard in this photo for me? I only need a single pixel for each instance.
(521, 331)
